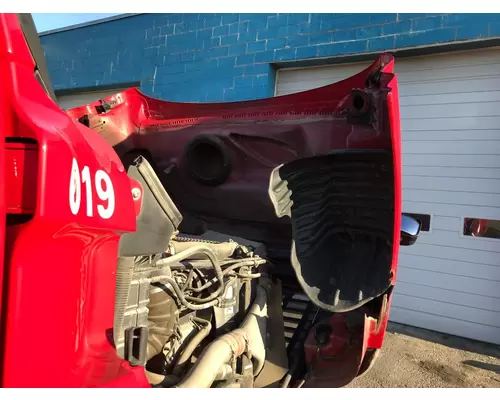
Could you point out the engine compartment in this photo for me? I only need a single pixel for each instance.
(203, 300)
(211, 298)
(209, 310)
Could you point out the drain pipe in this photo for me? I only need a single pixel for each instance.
(248, 338)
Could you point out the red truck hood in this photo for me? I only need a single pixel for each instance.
(327, 158)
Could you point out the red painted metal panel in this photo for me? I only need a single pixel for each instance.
(61, 264)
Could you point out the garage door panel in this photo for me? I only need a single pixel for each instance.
(444, 73)
(453, 224)
(450, 110)
(465, 85)
(456, 254)
(445, 324)
(454, 239)
(444, 266)
(459, 58)
(451, 172)
(431, 137)
(312, 80)
(450, 98)
(445, 295)
(451, 210)
(464, 284)
(340, 72)
(453, 267)
(458, 147)
(466, 185)
(293, 81)
(451, 198)
(317, 80)
(447, 309)
(303, 88)
(413, 91)
(450, 160)
(449, 123)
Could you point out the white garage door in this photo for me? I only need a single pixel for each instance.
(450, 120)
(68, 101)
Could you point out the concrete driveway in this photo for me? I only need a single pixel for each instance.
(418, 358)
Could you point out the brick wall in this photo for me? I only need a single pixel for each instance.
(229, 57)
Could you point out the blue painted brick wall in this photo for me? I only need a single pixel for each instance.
(229, 57)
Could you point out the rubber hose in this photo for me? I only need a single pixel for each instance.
(162, 380)
(193, 344)
(183, 255)
(204, 264)
(229, 269)
(229, 282)
(286, 381)
(199, 249)
(221, 250)
(180, 295)
(218, 353)
(169, 380)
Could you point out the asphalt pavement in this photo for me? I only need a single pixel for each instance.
(417, 358)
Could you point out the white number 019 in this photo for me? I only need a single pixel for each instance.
(105, 194)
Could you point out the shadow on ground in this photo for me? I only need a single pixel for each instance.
(482, 365)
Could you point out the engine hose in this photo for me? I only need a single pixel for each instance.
(124, 273)
(204, 264)
(230, 269)
(193, 344)
(248, 338)
(183, 255)
(169, 380)
(221, 250)
(161, 380)
(242, 264)
(211, 297)
(248, 276)
(195, 239)
(180, 295)
(199, 249)
(286, 381)
(188, 279)
(203, 287)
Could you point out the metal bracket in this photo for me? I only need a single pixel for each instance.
(136, 342)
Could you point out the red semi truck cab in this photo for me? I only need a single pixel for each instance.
(290, 199)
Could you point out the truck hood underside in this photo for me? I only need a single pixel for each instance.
(315, 176)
